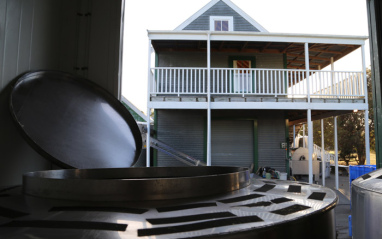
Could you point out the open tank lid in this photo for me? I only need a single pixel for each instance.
(73, 122)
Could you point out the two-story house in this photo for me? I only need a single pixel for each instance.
(227, 91)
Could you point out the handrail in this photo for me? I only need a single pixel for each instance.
(257, 81)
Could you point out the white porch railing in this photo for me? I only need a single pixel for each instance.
(328, 157)
(253, 82)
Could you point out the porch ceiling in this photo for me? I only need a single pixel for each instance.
(300, 116)
(319, 54)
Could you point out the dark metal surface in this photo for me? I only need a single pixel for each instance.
(244, 213)
(74, 122)
(120, 184)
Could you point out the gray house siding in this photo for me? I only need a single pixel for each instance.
(221, 9)
(220, 60)
(185, 130)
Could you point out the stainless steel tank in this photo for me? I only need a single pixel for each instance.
(367, 206)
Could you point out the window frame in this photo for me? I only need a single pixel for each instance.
(221, 18)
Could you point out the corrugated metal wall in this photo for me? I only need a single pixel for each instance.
(232, 143)
(77, 36)
(185, 130)
(220, 9)
(182, 130)
(271, 132)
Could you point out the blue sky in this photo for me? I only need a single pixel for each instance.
(334, 17)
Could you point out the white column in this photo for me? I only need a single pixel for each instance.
(294, 136)
(303, 136)
(148, 108)
(367, 137)
(332, 76)
(336, 151)
(148, 138)
(310, 145)
(367, 133)
(323, 159)
(209, 99)
(307, 69)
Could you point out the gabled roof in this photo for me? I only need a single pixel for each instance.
(231, 5)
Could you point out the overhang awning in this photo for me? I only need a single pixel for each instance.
(321, 47)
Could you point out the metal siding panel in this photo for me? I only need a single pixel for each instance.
(3, 10)
(24, 51)
(46, 35)
(182, 130)
(18, 23)
(11, 40)
(232, 143)
(104, 44)
(68, 44)
(271, 132)
(220, 9)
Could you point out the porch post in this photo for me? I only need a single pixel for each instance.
(209, 99)
(148, 138)
(332, 74)
(148, 108)
(310, 145)
(367, 133)
(294, 136)
(307, 69)
(323, 159)
(367, 137)
(336, 151)
(303, 136)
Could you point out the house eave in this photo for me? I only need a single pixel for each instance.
(256, 36)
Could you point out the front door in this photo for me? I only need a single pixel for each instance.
(243, 74)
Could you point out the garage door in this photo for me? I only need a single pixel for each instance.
(232, 142)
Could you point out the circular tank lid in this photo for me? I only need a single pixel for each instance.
(73, 122)
(370, 181)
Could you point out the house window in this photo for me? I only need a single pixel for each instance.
(221, 23)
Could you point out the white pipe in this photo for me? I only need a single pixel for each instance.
(323, 160)
(148, 108)
(367, 133)
(310, 145)
(336, 151)
(209, 99)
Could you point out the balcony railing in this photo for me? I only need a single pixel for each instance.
(257, 82)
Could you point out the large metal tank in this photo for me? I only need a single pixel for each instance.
(76, 124)
(367, 206)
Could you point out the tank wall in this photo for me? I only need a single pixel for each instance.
(366, 213)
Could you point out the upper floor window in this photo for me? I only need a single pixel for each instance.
(221, 23)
